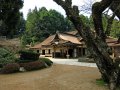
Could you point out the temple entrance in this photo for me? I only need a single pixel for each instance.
(43, 52)
(70, 52)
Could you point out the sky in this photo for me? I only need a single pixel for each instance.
(49, 4)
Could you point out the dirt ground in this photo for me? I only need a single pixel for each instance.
(57, 77)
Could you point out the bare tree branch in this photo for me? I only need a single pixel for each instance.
(109, 25)
(110, 20)
(97, 47)
(97, 10)
(87, 7)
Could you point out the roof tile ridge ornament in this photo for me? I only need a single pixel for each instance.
(56, 37)
(57, 32)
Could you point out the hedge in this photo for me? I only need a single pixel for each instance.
(28, 55)
(33, 65)
(6, 57)
(10, 68)
(47, 61)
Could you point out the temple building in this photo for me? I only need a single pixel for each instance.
(70, 45)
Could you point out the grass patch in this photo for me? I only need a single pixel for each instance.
(100, 82)
(47, 61)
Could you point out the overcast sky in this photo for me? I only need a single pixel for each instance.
(49, 4)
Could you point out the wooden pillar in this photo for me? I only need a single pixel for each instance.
(75, 52)
(81, 51)
(54, 51)
(78, 52)
(67, 53)
(85, 51)
(113, 52)
(62, 52)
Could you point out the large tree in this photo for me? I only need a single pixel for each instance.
(96, 44)
(10, 16)
(41, 23)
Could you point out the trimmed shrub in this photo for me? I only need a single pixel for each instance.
(28, 55)
(24, 61)
(47, 61)
(10, 68)
(1, 66)
(33, 65)
(6, 57)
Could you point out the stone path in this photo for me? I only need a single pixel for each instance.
(72, 62)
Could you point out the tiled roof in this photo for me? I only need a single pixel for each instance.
(36, 46)
(64, 38)
(48, 40)
(72, 32)
(111, 40)
(69, 38)
(114, 44)
(45, 42)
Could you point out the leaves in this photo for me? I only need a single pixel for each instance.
(6, 56)
(41, 23)
(10, 15)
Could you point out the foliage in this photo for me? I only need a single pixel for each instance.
(28, 55)
(21, 26)
(6, 56)
(86, 20)
(33, 65)
(10, 68)
(47, 61)
(23, 61)
(26, 39)
(115, 31)
(42, 23)
(10, 16)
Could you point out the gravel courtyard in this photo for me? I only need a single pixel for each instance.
(57, 77)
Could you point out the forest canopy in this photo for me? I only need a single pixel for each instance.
(9, 17)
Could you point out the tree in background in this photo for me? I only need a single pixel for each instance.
(115, 31)
(96, 44)
(114, 23)
(41, 23)
(21, 26)
(86, 20)
(9, 16)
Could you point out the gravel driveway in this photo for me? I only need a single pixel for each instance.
(72, 62)
(57, 77)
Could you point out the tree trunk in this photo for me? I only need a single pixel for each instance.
(95, 44)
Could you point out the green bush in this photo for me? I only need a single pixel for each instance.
(6, 57)
(100, 82)
(33, 65)
(28, 55)
(24, 61)
(47, 61)
(10, 68)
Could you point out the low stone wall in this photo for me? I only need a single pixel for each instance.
(85, 59)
